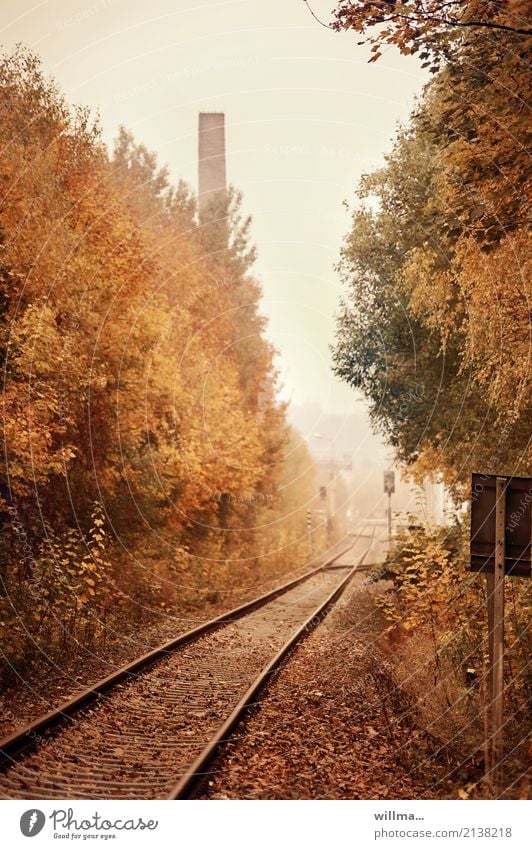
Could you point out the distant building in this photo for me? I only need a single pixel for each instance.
(436, 503)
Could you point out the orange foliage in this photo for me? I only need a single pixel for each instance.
(136, 372)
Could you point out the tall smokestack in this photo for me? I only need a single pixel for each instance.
(211, 157)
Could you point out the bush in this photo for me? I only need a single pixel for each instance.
(437, 615)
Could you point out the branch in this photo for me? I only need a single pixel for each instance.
(323, 24)
(450, 23)
(421, 18)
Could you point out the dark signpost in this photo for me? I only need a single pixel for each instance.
(501, 533)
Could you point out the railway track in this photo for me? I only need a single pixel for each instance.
(149, 730)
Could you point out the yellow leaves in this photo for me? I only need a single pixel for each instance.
(498, 289)
(427, 579)
(465, 791)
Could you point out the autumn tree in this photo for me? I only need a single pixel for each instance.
(432, 28)
(144, 443)
(418, 322)
(447, 245)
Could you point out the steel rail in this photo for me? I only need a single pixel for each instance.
(29, 735)
(197, 771)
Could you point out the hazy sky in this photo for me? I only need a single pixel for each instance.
(305, 117)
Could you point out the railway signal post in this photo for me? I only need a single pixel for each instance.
(309, 531)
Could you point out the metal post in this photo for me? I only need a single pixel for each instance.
(497, 636)
(309, 530)
(389, 488)
(330, 503)
(332, 485)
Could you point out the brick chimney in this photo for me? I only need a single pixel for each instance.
(211, 157)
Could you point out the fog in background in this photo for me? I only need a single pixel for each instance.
(306, 116)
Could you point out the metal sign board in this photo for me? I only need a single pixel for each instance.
(389, 482)
(518, 524)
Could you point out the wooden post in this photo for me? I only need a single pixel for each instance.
(488, 683)
(497, 637)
